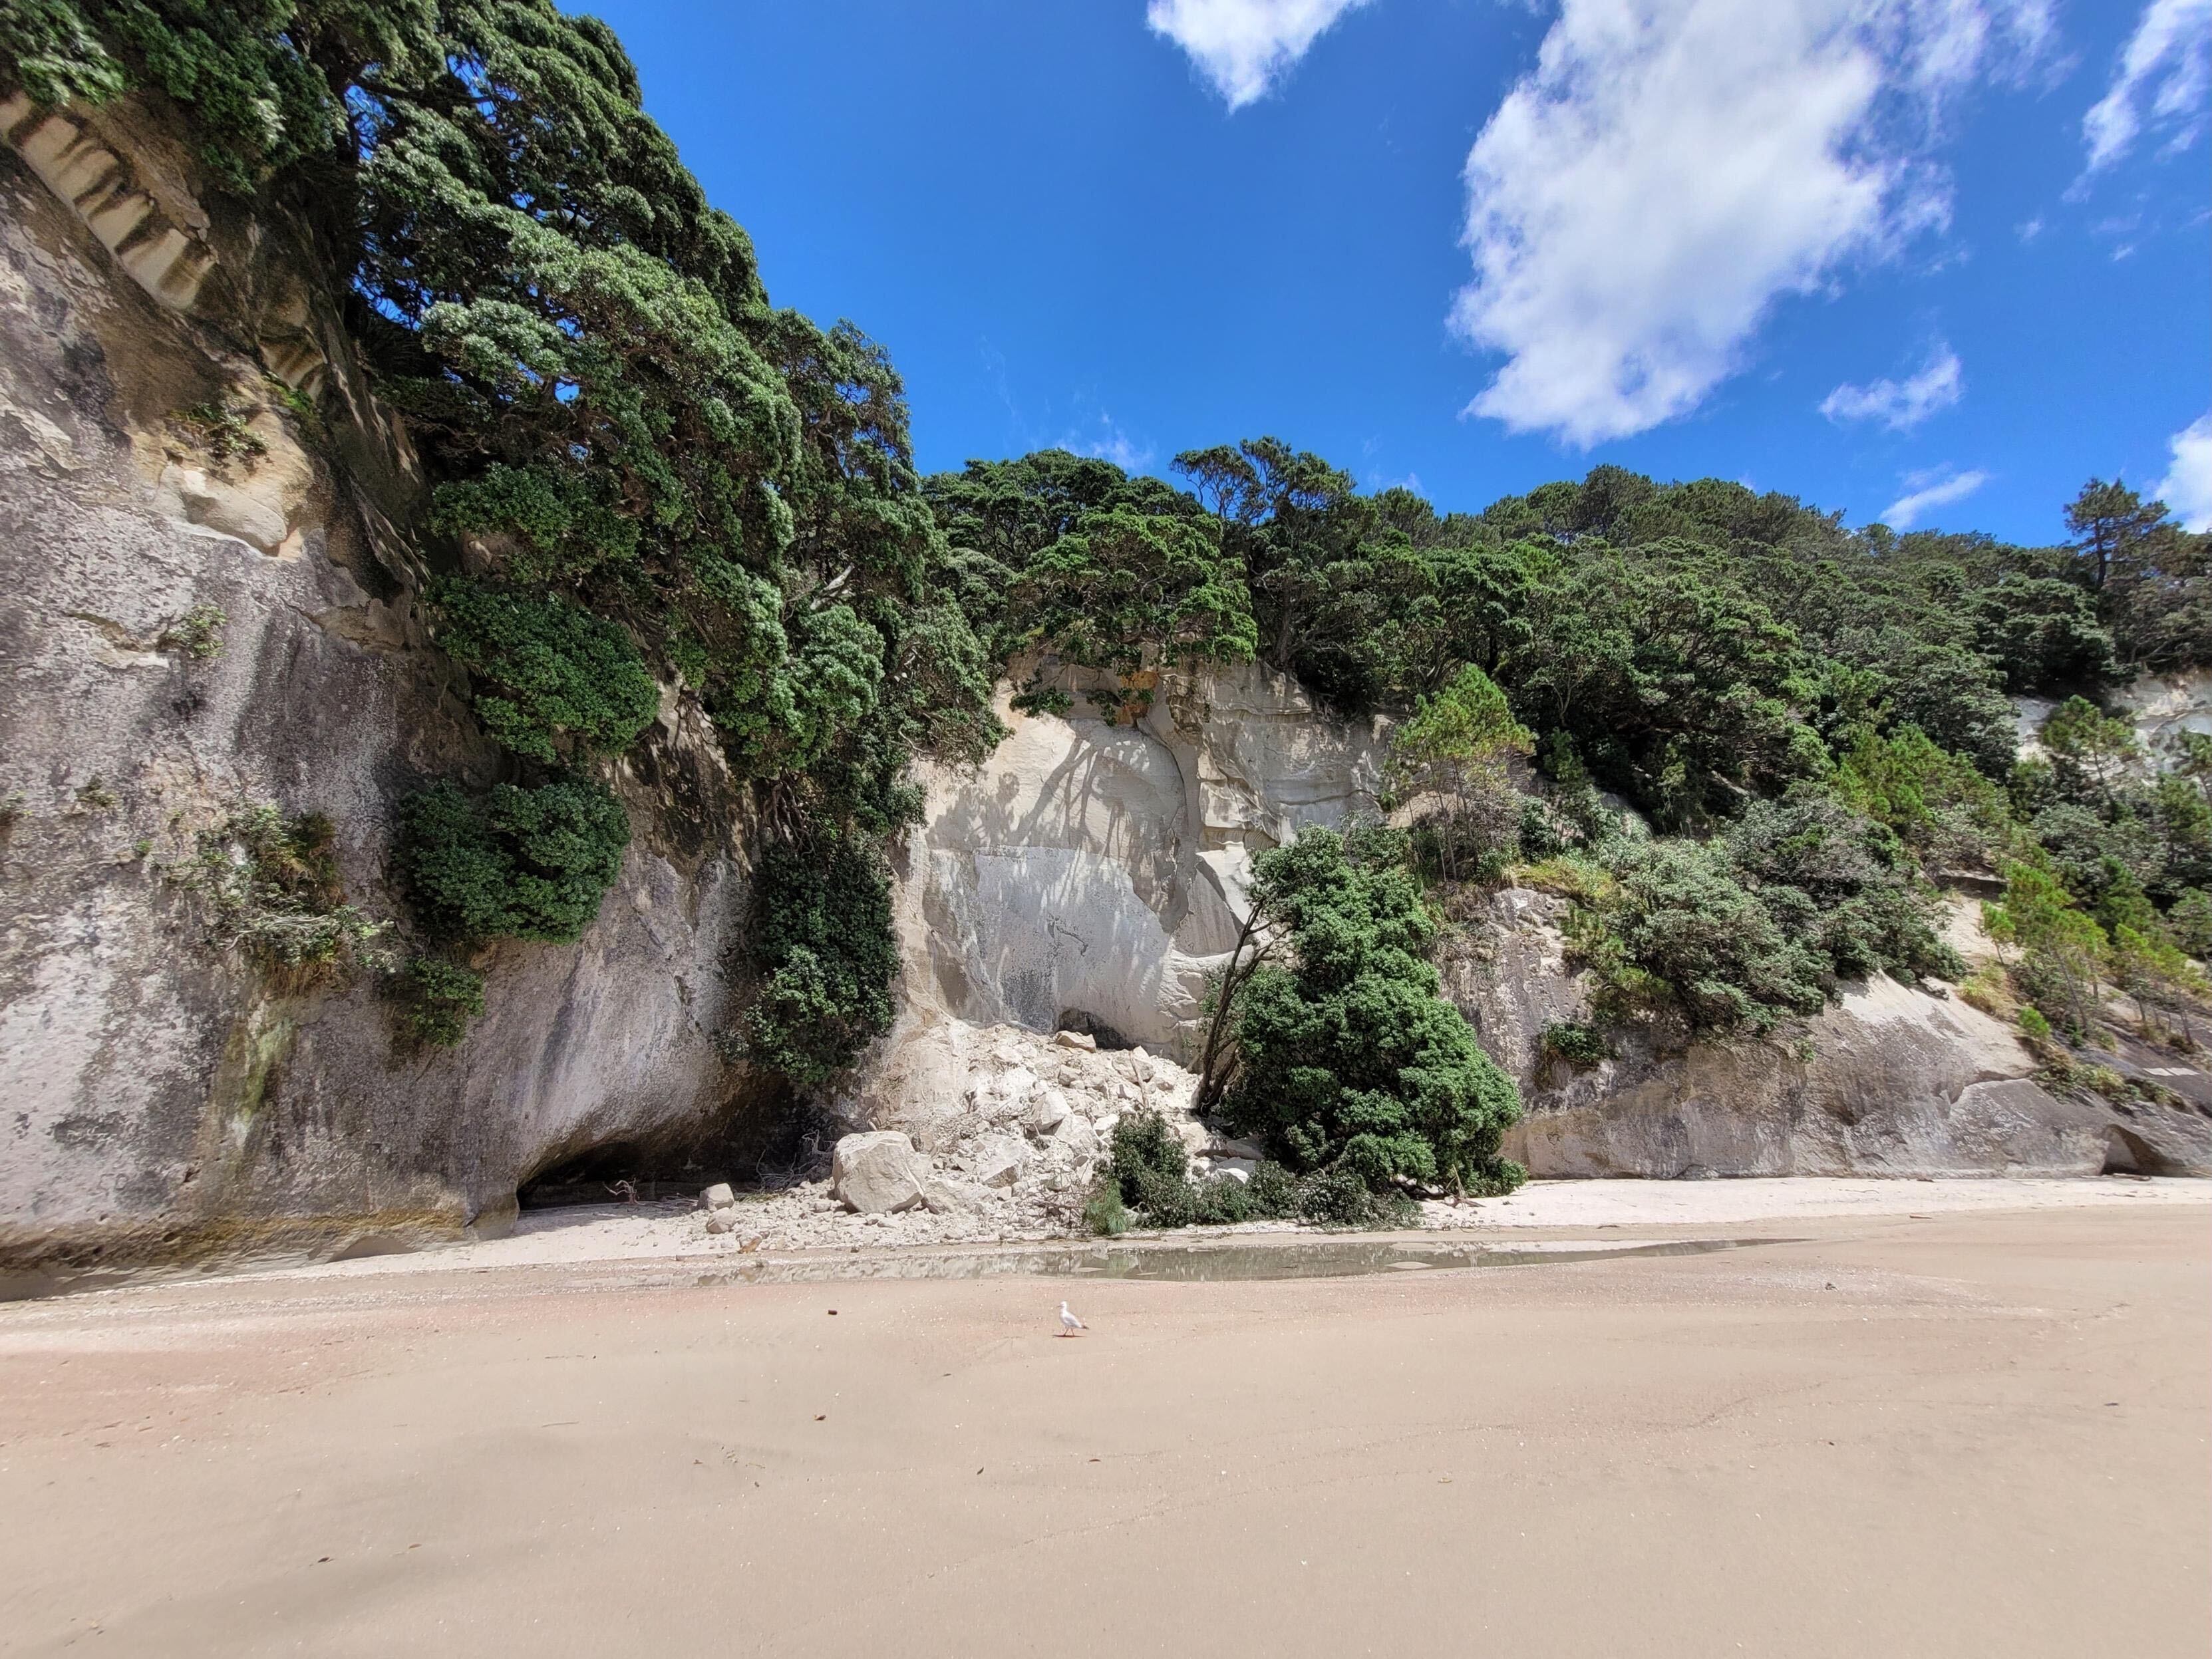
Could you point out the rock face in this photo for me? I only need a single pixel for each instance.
(162, 1098)
(1889, 1080)
(1089, 874)
(1092, 873)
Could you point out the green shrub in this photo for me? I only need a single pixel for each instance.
(2037, 1028)
(554, 674)
(1339, 1198)
(1742, 932)
(273, 886)
(1347, 1056)
(436, 999)
(1573, 1041)
(526, 864)
(1103, 1212)
(220, 430)
(198, 632)
(821, 937)
(1147, 1170)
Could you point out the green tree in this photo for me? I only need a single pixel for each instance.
(2191, 919)
(1348, 1059)
(1453, 750)
(2151, 968)
(1127, 590)
(1951, 815)
(2090, 751)
(2110, 523)
(2062, 950)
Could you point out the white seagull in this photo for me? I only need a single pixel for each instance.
(1069, 1324)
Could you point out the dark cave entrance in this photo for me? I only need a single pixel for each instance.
(2126, 1153)
(772, 1143)
(1081, 1019)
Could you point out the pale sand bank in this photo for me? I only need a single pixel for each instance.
(1963, 1434)
(615, 1233)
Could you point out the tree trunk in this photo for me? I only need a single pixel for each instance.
(1210, 1079)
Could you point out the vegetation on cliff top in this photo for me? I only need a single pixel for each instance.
(648, 476)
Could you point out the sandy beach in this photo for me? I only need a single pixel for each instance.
(1966, 1432)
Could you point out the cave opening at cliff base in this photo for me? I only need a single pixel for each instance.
(773, 1144)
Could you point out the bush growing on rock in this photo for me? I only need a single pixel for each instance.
(516, 863)
(1347, 1059)
(1742, 932)
(1573, 1041)
(821, 939)
(557, 675)
(435, 999)
(1147, 1171)
(271, 881)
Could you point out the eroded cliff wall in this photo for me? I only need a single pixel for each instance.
(1092, 874)
(160, 1097)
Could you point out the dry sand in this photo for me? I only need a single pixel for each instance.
(1973, 1433)
(676, 1233)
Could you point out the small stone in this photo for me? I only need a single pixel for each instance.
(718, 1196)
(722, 1221)
(1048, 1111)
(1082, 1040)
(999, 1159)
(944, 1198)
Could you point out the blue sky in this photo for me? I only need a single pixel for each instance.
(1861, 250)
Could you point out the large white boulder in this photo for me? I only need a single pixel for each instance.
(878, 1173)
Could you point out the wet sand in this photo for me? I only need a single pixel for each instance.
(1969, 1434)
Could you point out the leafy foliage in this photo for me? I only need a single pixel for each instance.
(435, 999)
(516, 863)
(1349, 1058)
(557, 675)
(272, 884)
(821, 937)
(1573, 1041)
(1146, 1174)
(1453, 750)
(1743, 932)
(198, 632)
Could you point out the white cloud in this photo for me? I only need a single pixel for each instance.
(1670, 167)
(1244, 46)
(1110, 443)
(2187, 486)
(1901, 406)
(1926, 491)
(2172, 47)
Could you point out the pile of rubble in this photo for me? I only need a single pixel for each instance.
(1013, 1161)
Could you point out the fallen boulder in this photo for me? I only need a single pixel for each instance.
(878, 1173)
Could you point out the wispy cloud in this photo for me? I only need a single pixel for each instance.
(1107, 442)
(1901, 406)
(1670, 167)
(2168, 60)
(1926, 491)
(1244, 47)
(2187, 486)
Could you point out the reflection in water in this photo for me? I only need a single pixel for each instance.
(1324, 1258)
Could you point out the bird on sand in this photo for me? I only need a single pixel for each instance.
(1069, 1324)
